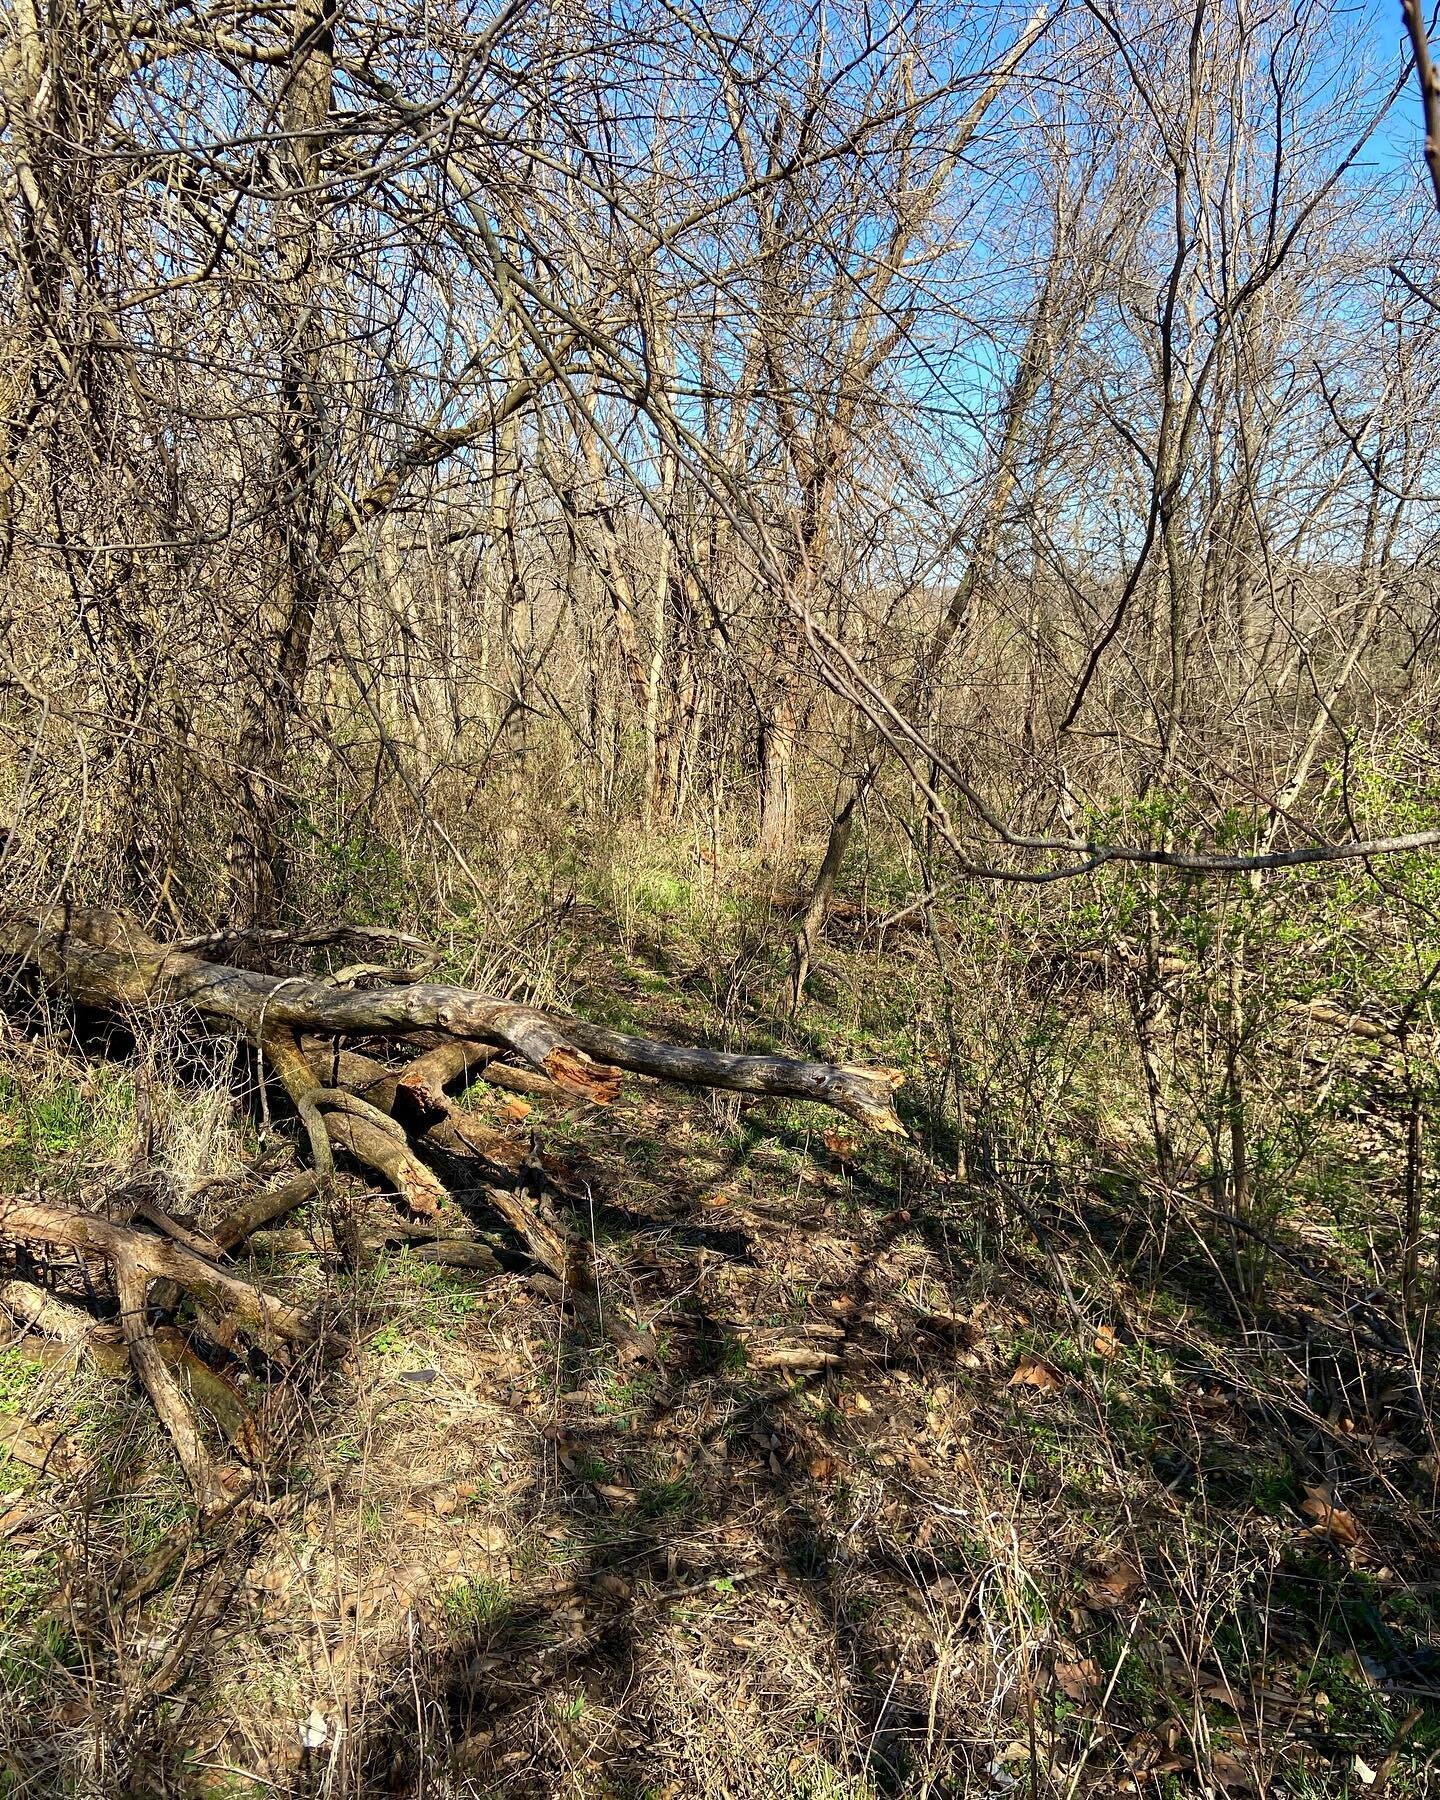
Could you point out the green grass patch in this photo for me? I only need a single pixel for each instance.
(674, 1498)
(476, 1605)
(20, 1375)
(60, 1120)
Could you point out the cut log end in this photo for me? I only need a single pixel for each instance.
(887, 1123)
(868, 1096)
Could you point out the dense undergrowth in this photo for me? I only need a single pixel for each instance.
(1043, 1456)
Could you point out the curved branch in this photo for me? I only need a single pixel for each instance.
(159, 1259)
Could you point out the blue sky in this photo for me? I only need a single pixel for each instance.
(1403, 133)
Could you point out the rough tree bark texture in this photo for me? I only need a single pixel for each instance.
(301, 480)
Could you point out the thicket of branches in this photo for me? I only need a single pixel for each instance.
(891, 547)
(433, 427)
(718, 404)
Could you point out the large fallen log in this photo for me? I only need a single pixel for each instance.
(104, 960)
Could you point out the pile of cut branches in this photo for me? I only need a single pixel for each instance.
(183, 1308)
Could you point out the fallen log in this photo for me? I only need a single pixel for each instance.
(132, 1288)
(60, 1331)
(265, 1208)
(32, 1307)
(138, 1259)
(104, 960)
(271, 1321)
(419, 1091)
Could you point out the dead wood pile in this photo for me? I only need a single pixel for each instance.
(184, 1310)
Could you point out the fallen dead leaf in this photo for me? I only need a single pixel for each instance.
(1233, 1775)
(820, 1468)
(1331, 1521)
(1078, 1680)
(1106, 1343)
(1153, 1753)
(15, 1520)
(37, 1446)
(1030, 1371)
(1112, 1584)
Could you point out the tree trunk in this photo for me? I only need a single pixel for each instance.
(776, 773)
(298, 514)
(817, 908)
(654, 803)
(954, 622)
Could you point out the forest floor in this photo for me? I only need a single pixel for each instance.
(935, 1487)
